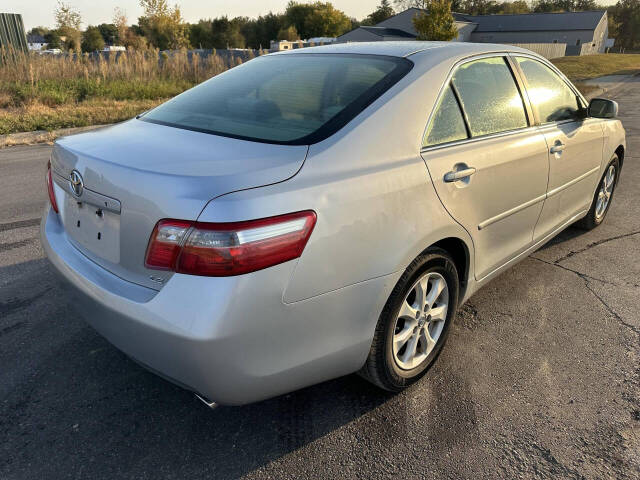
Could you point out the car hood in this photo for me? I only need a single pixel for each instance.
(156, 172)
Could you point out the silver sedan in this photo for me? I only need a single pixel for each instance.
(320, 212)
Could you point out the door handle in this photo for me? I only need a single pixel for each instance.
(558, 147)
(454, 176)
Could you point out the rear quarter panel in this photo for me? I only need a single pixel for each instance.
(376, 205)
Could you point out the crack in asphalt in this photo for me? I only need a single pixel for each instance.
(594, 244)
(16, 304)
(580, 274)
(4, 247)
(32, 222)
(586, 278)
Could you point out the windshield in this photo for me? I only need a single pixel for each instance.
(289, 99)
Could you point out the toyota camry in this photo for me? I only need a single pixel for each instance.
(319, 212)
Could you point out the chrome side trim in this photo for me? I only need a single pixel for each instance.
(535, 246)
(512, 211)
(550, 193)
(208, 403)
(557, 190)
(479, 138)
(89, 196)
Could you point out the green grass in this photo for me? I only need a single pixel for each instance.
(592, 66)
(90, 112)
(53, 93)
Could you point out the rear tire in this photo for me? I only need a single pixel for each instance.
(414, 323)
(603, 196)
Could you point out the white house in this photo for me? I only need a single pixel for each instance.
(36, 42)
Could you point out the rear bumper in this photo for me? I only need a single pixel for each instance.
(230, 339)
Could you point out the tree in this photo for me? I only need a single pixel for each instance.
(438, 23)
(92, 40)
(68, 21)
(260, 31)
(479, 7)
(517, 6)
(405, 4)
(384, 11)
(226, 33)
(626, 15)
(53, 39)
(121, 23)
(109, 33)
(67, 16)
(319, 19)
(42, 31)
(543, 6)
(200, 34)
(162, 25)
(290, 33)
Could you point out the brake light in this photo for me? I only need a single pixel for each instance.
(227, 249)
(52, 195)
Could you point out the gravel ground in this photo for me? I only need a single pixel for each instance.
(540, 377)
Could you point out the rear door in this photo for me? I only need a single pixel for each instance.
(488, 163)
(574, 144)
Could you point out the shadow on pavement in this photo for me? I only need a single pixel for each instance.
(71, 402)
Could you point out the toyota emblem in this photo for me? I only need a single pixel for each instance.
(75, 180)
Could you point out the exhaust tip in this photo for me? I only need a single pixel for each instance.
(206, 401)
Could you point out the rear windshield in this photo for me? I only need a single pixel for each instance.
(290, 99)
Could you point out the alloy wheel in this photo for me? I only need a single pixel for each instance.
(605, 192)
(420, 321)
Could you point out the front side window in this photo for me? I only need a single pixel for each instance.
(447, 124)
(549, 93)
(489, 96)
(289, 99)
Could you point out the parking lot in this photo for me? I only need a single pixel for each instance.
(540, 377)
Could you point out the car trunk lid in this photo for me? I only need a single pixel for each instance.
(136, 173)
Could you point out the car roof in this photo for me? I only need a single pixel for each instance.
(407, 48)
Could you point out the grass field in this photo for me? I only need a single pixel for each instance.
(40, 92)
(592, 66)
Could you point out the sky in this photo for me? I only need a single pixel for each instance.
(40, 12)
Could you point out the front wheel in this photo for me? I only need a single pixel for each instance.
(414, 323)
(603, 196)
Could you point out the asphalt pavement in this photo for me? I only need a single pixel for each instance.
(540, 377)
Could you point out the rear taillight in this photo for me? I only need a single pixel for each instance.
(52, 195)
(226, 249)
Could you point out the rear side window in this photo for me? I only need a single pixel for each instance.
(489, 96)
(447, 124)
(549, 93)
(290, 99)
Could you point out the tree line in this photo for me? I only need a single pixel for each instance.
(162, 25)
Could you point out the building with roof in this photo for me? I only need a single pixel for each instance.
(400, 27)
(584, 33)
(550, 34)
(36, 42)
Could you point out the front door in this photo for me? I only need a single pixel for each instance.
(488, 165)
(574, 143)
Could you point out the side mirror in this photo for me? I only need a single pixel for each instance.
(603, 108)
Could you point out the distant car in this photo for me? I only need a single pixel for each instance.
(114, 48)
(316, 213)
